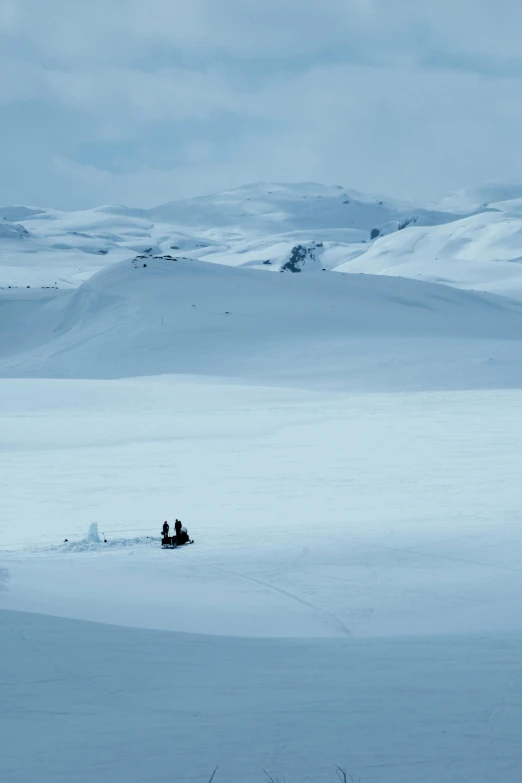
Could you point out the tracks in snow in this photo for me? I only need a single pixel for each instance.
(328, 617)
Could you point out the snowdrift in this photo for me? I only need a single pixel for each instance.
(165, 315)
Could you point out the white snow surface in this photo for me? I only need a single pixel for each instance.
(116, 704)
(364, 514)
(344, 449)
(352, 595)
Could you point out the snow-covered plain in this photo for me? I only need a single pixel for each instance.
(314, 514)
(354, 583)
(345, 450)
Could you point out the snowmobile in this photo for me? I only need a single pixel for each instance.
(171, 542)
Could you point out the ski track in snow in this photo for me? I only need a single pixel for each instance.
(327, 616)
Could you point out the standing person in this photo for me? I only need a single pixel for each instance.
(177, 527)
(165, 531)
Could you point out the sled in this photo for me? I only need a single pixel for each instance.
(170, 543)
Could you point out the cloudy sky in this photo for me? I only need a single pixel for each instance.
(127, 101)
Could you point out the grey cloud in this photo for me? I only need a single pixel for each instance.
(104, 32)
(143, 102)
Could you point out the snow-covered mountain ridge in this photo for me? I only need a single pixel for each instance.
(471, 239)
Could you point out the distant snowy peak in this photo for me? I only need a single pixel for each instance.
(265, 208)
(10, 230)
(488, 195)
(283, 190)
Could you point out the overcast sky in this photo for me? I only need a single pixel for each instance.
(144, 101)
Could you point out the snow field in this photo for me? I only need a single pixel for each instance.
(313, 514)
(108, 704)
(352, 596)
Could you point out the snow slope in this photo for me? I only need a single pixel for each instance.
(164, 315)
(116, 704)
(482, 252)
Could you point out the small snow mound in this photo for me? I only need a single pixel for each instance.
(93, 536)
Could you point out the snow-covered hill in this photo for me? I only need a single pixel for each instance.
(164, 315)
(481, 252)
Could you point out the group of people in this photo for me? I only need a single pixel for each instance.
(181, 536)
